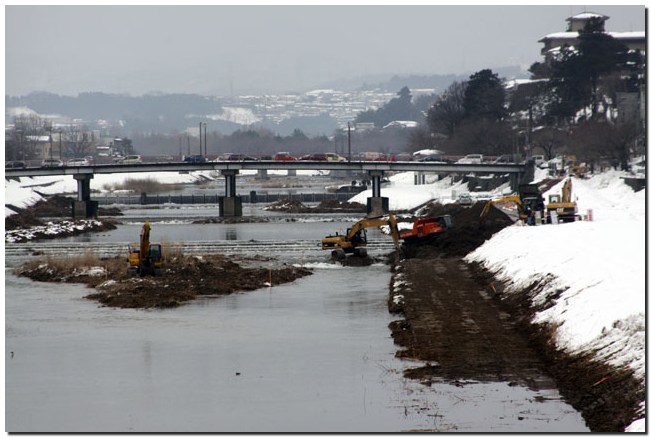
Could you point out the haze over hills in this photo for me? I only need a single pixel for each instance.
(313, 112)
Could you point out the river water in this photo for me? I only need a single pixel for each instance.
(312, 356)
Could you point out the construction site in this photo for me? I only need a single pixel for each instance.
(453, 317)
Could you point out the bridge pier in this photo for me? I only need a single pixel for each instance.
(83, 207)
(376, 205)
(230, 204)
(262, 174)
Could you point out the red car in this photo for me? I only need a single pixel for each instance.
(283, 156)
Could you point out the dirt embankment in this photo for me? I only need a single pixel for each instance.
(456, 320)
(184, 278)
(28, 223)
(328, 206)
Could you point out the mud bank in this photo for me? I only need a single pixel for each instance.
(184, 278)
(28, 224)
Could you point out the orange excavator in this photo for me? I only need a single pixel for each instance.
(426, 229)
(145, 258)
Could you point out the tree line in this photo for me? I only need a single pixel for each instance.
(573, 104)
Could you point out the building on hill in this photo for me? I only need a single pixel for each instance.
(635, 40)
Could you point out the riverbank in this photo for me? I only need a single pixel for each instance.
(456, 318)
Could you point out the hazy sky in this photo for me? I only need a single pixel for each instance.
(242, 49)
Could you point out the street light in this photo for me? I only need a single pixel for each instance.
(199, 138)
(60, 149)
(205, 126)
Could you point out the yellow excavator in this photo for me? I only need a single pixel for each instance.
(145, 258)
(562, 204)
(354, 241)
(528, 201)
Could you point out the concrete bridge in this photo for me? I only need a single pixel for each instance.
(231, 204)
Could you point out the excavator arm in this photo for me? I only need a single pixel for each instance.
(144, 240)
(350, 242)
(511, 198)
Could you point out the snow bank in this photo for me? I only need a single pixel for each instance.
(594, 271)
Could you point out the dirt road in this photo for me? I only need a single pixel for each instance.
(457, 327)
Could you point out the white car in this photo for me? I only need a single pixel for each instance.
(464, 199)
(471, 159)
(78, 162)
(131, 159)
(51, 162)
(334, 157)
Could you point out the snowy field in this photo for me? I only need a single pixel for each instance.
(600, 264)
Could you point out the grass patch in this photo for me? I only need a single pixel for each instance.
(141, 185)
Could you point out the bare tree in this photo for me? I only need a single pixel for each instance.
(448, 111)
(80, 140)
(26, 136)
(550, 139)
(597, 141)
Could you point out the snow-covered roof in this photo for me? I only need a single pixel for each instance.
(574, 35)
(586, 16)
(402, 124)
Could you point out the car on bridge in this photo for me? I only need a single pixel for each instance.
(78, 162)
(15, 165)
(314, 157)
(434, 159)
(194, 159)
(331, 156)
(471, 159)
(283, 156)
(51, 162)
(235, 157)
(131, 159)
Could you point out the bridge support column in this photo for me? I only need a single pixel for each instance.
(291, 172)
(83, 207)
(262, 174)
(376, 205)
(230, 204)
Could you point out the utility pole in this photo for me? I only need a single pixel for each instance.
(349, 155)
(200, 137)
(205, 139)
(50, 132)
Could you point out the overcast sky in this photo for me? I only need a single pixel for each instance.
(273, 49)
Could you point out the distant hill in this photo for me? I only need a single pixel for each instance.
(439, 82)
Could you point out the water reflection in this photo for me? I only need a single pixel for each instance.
(315, 355)
(231, 233)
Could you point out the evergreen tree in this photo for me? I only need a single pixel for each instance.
(485, 97)
(600, 54)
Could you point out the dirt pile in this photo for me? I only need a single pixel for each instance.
(184, 278)
(468, 232)
(327, 206)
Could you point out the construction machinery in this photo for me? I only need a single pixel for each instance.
(145, 258)
(528, 201)
(354, 241)
(426, 229)
(562, 204)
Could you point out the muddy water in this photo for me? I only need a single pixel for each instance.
(313, 356)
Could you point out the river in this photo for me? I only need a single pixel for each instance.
(312, 356)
